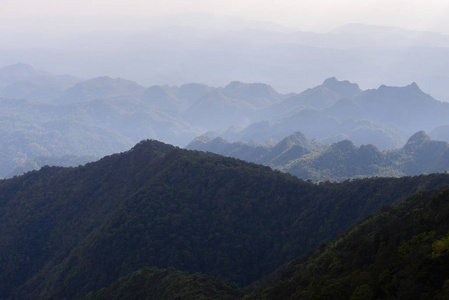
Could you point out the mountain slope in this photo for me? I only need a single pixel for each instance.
(100, 88)
(343, 160)
(152, 283)
(322, 96)
(288, 149)
(24, 81)
(338, 110)
(408, 107)
(401, 253)
(68, 231)
(97, 128)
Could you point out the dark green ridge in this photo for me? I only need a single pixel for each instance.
(69, 231)
(400, 253)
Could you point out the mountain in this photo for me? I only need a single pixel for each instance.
(289, 148)
(19, 73)
(118, 113)
(69, 231)
(342, 160)
(408, 108)
(400, 253)
(215, 110)
(165, 99)
(258, 95)
(95, 128)
(289, 60)
(192, 91)
(440, 133)
(237, 104)
(29, 138)
(321, 96)
(250, 153)
(153, 283)
(24, 81)
(102, 88)
(40, 161)
(384, 117)
(198, 101)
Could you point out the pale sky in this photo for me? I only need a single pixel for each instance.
(311, 15)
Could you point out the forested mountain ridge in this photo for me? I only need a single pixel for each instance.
(400, 253)
(41, 161)
(80, 229)
(153, 283)
(343, 160)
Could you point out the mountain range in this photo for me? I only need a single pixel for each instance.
(200, 48)
(335, 192)
(101, 116)
(399, 253)
(342, 160)
(70, 231)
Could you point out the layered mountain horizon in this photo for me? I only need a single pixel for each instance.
(201, 156)
(49, 115)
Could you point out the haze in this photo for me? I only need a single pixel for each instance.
(316, 15)
(291, 45)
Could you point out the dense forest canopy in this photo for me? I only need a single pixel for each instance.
(69, 231)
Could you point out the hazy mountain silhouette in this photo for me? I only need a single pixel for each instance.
(384, 117)
(24, 81)
(258, 95)
(127, 112)
(408, 108)
(321, 96)
(102, 87)
(285, 59)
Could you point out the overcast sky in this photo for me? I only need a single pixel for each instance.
(311, 15)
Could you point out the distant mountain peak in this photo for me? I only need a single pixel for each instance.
(238, 84)
(344, 89)
(21, 65)
(21, 70)
(233, 85)
(413, 87)
(158, 91)
(343, 145)
(299, 136)
(252, 91)
(330, 81)
(409, 95)
(419, 137)
(416, 141)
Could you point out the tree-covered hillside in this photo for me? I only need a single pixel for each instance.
(400, 253)
(153, 283)
(68, 231)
